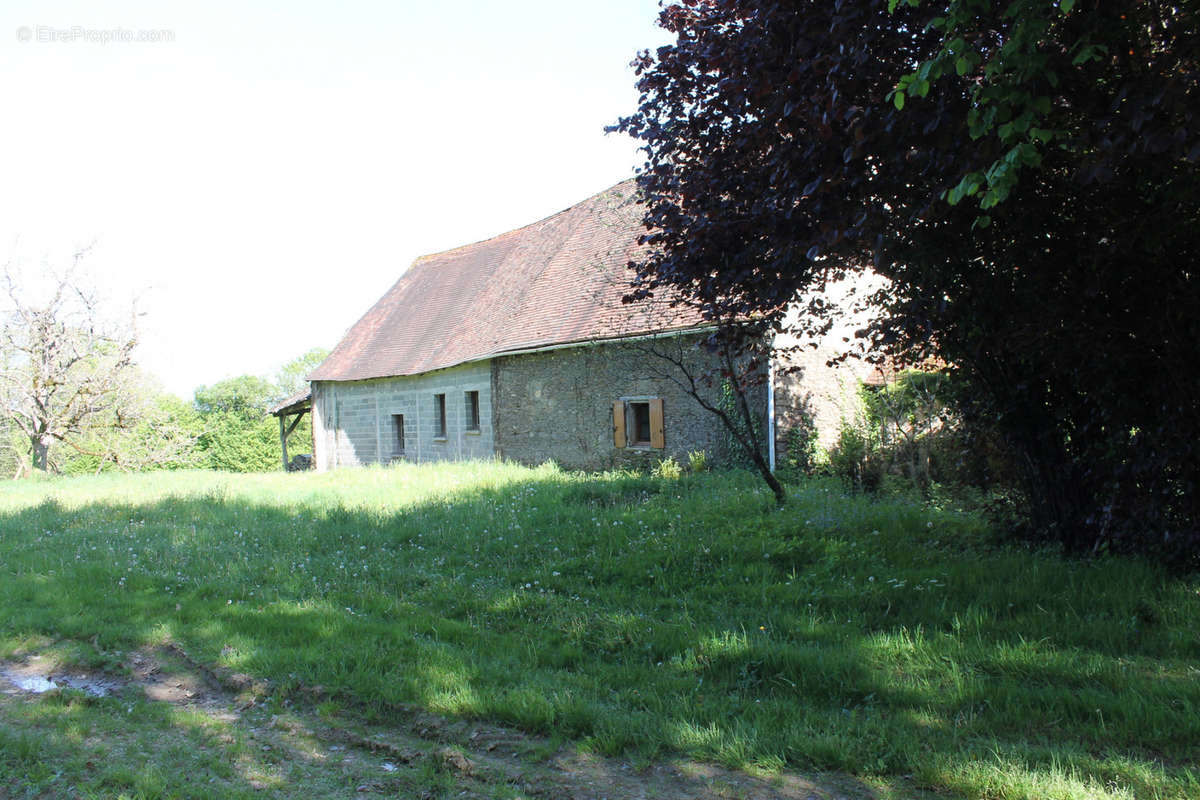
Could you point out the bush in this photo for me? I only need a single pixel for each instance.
(163, 436)
(235, 442)
(855, 458)
(906, 438)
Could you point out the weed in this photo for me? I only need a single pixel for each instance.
(668, 469)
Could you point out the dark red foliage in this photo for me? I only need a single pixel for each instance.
(776, 157)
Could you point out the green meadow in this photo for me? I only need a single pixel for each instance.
(646, 618)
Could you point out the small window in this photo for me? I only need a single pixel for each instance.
(473, 411)
(639, 423)
(398, 424)
(439, 416)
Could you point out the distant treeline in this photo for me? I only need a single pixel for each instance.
(225, 426)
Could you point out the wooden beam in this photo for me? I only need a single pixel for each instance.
(294, 408)
(295, 422)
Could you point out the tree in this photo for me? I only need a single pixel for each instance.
(161, 432)
(788, 143)
(237, 434)
(293, 376)
(1021, 56)
(63, 361)
(246, 395)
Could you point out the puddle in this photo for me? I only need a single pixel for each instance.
(34, 683)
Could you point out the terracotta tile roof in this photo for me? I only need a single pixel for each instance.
(557, 281)
(300, 401)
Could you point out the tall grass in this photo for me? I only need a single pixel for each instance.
(639, 615)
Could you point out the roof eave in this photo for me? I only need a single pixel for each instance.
(534, 348)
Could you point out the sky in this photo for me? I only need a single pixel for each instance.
(258, 174)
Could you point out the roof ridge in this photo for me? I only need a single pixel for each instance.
(523, 228)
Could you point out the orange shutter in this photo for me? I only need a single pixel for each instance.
(618, 424)
(657, 438)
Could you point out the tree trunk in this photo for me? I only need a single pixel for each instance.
(764, 469)
(41, 451)
(751, 444)
(1058, 503)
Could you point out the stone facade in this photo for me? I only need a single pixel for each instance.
(556, 405)
(806, 386)
(559, 405)
(356, 422)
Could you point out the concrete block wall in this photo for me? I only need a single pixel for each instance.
(354, 422)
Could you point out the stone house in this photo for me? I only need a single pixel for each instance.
(519, 347)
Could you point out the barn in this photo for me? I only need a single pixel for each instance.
(519, 347)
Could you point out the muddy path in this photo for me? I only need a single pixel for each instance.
(302, 748)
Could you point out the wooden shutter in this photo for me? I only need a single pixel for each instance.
(619, 424)
(657, 437)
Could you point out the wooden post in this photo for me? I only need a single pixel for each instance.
(284, 433)
(283, 437)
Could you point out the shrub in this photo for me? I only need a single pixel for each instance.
(237, 443)
(855, 458)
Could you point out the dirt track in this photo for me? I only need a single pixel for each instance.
(468, 759)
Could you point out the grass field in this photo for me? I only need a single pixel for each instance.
(625, 615)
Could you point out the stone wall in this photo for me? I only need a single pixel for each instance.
(805, 385)
(558, 405)
(354, 423)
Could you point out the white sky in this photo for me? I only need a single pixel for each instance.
(264, 177)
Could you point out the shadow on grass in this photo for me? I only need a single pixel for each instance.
(650, 617)
(69, 744)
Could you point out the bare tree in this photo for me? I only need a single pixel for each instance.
(157, 430)
(63, 361)
(725, 394)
